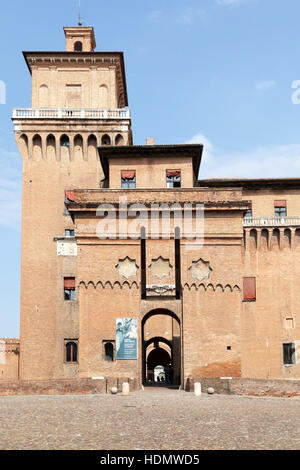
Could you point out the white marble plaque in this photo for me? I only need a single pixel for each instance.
(66, 248)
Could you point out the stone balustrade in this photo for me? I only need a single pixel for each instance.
(271, 222)
(68, 113)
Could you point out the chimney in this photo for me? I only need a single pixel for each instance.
(149, 141)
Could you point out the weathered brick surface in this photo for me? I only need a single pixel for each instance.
(254, 387)
(64, 386)
(210, 331)
(9, 358)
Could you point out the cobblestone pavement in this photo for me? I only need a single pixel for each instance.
(149, 420)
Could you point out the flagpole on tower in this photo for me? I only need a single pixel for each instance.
(79, 16)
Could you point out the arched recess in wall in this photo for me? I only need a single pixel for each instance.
(51, 147)
(287, 238)
(119, 140)
(37, 147)
(103, 97)
(64, 147)
(78, 147)
(92, 147)
(264, 239)
(43, 96)
(297, 237)
(275, 238)
(253, 239)
(23, 145)
(105, 140)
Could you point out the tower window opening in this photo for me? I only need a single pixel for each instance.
(78, 46)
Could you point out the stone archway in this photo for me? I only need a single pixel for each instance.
(161, 345)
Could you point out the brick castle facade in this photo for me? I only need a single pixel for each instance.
(223, 305)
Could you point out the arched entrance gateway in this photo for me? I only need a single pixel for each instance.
(161, 348)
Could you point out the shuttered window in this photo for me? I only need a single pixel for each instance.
(128, 179)
(280, 203)
(280, 209)
(69, 288)
(173, 178)
(249, 288)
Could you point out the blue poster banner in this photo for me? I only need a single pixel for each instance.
(126, 339)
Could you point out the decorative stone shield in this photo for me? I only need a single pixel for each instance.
(127, 267)
(200, 270)
(160, 290)
(160, 268)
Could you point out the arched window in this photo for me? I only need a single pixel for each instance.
(71, 351)
(43, 96)
(109, 352)
(103, 96)
(119, 140)
(78, 46)
(65, 141)
(105, 140)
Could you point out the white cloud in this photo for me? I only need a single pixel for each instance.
(262, 162)
(190, 15)
(208, 150)
(265, 85)
(230, 2)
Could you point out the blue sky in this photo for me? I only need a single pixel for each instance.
(218, 72)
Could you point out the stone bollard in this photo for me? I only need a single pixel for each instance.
(125, 388)
(114, 390)
(197, 389)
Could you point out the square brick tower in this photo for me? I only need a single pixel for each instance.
(79, 102)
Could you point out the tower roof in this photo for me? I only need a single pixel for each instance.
(83, 35)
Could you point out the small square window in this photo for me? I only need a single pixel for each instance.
(69, 233)
(289, 323)
(280, 211)
(128, 179)
(280, 208)
(173, 178)
(70, 294)
(289, 356)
